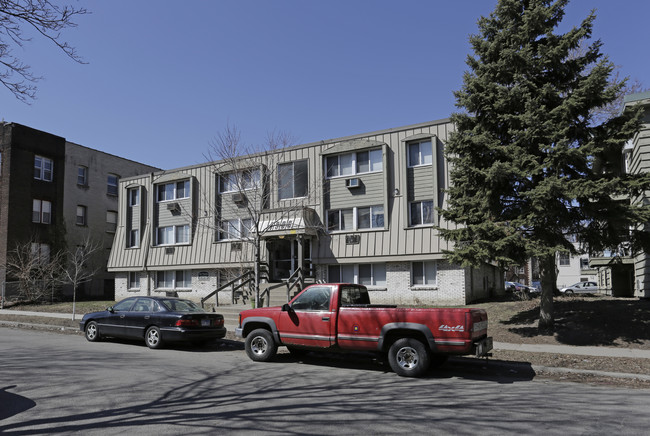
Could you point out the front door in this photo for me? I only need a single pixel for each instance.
(285, 256)
(311, 320)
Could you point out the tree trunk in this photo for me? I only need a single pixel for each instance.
(256, 269)
(548, 278)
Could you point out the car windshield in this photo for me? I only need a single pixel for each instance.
(181, 305)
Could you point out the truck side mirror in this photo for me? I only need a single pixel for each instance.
(286, 307)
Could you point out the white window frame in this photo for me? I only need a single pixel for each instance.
(82, 175)
(41, 252)
(354, 270)
(354, 163)
(187, 186)
(134, 238)
(111, 226)
(421, 217)
(41, 170)
(82, 215)
(355, 219)
(174, 233)
(282, 171)
(237, 229)
(244, 180)
(133, 196)
(41, 211)
(564, 259)
(172, 277)
(426, 281)
(421, 156)
(133, 280)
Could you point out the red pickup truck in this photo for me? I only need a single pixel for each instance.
(339, 316)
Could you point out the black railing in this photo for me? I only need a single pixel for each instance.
(246, 279)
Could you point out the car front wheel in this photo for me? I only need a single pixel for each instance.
(92, 332)
(409, 357)
(260, 345)
(568, 292)
(152, 338)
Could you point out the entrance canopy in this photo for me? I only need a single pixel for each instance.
(285, 222)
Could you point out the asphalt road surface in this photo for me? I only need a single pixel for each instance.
(62, 384)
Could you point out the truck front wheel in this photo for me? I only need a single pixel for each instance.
(260, 345)
(409, 357)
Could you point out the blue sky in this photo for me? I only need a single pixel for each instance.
(163, 77)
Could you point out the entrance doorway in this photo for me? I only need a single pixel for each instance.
(284, 257)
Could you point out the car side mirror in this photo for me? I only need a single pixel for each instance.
(110, 309)
(286, 307)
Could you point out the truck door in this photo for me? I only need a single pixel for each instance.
(311, 320)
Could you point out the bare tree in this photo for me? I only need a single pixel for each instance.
(250, 180)
(36, 269)
(80, 266)
(17, 19)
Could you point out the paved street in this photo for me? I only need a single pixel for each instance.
(62, 384)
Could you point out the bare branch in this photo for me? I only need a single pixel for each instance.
(46, 19)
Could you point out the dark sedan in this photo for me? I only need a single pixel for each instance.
(156, 320)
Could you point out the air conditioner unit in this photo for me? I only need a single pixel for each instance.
(353, 183)
(174, 207)
(239, 198)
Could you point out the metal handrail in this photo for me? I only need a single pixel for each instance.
(229, 284)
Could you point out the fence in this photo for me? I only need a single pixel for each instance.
(10, 292)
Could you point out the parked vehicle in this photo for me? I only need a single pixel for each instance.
(510, 286)
(157, 320)
(580, 288)
(339, 316)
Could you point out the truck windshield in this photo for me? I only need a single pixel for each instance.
(351, 296)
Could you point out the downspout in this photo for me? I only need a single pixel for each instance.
(147, 236)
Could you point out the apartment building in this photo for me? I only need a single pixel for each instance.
(55, 195)
(360, 209)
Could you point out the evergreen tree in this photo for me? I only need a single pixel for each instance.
(530, 166)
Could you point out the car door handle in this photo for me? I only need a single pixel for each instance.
(122, 316)
(147, 317)
(326, 318)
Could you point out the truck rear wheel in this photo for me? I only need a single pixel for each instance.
(409, 357)
(260, 345)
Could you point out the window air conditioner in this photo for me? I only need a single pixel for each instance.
(174, 207)
(239, 198)
(352, 183)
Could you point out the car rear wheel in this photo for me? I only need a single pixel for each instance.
(568, 292)
(260, 345)
(152, 338)
(408, 357)
(92, 332)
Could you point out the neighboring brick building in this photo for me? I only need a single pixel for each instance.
(54, 193)
(357, 209)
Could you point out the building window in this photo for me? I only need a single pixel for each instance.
(111, 184)
(81, 215)
(235, 229)
(171, 235)
(584, 263)
(43, 168)
(239, 181)
(134, 196)
(361, 218)
(354, 163)
(368, 274)
(82, 176)
(565, 259)
(370, 217)
(134, 238)
(134, 280)
(41, 252)
(111, 221)
(423, 273)
(41, 211)
(173, 191)
(181, 279)
(292, 180)
(340, 219)
(419, 153)
(421, 213)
